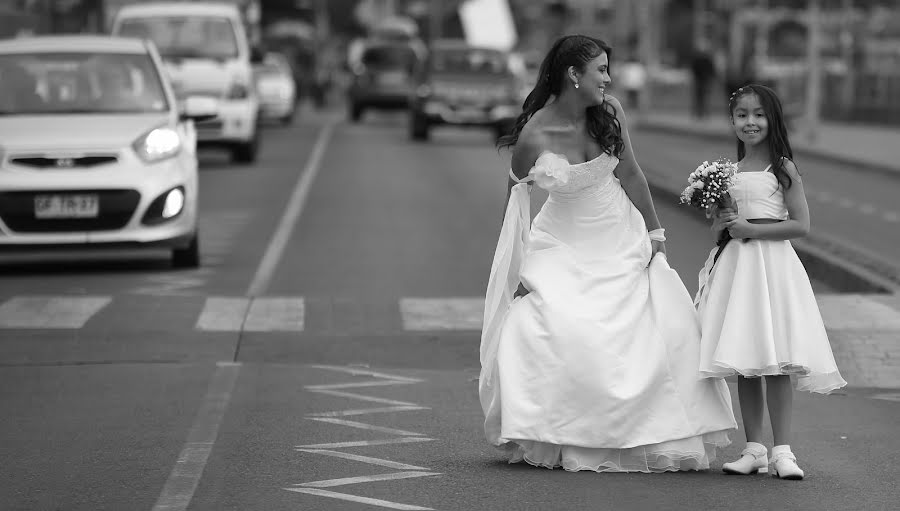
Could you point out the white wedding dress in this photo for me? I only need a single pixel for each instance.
(597, 368)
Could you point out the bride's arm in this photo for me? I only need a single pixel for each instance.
(630, 174)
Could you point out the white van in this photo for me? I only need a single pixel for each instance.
(207, 53)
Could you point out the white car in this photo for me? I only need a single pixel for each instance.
(94, 150)
(206, 52)
(277, 91)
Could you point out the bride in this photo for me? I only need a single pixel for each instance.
(590, 346)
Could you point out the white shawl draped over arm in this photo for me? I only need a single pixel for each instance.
(504, 278)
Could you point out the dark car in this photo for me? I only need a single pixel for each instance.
(464, 85)
(382, 76)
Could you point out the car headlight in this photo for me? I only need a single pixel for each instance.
(158, 144)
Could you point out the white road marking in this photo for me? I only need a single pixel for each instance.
(275, 315)
(891, 216)
(50, 311)
(282, 234)
(362, 459)
(355, 371)
(824, 196)
(366, 443)
(252, 315)
(179, 488)
(223, 314)
(328, 483)
(372, 383)
(867, 209)
(888, 396)
(366, 411)
(361, 500)
(362, 397)
(845, 202)
(363, 425)
(426, 314)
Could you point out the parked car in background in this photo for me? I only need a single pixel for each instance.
(206, 52)
(382, 71)
(95, 150)
(464, 85)
(276, 88)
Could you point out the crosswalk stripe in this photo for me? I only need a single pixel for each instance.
(50, 311)
(428, 314)
(275, 315)
(223, 314)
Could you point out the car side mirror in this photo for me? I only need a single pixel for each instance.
(199, 108)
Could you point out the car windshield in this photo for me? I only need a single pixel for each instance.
(201, 37)
(54, 83)
(389, 58)
(468, 60)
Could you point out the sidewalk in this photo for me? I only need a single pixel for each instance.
(869, 147)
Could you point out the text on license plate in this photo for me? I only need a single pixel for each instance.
(66, 206)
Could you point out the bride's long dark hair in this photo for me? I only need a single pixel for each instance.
(577, 51)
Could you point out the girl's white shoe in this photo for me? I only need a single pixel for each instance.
(785, 464)
(754, 459)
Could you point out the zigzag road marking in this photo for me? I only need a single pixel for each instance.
(363, 425)
(405, 437)
(361, 500)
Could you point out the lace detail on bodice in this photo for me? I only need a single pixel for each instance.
(555, 174)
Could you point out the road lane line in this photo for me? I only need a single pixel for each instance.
(275, 315)
(328, 483)
(363, 459)
(223, 314)
(366, 443)
(362, 397)
(363, 425)
(50, 311)
(282, 234)
(361, 500)
(179, 489)
(366, 411)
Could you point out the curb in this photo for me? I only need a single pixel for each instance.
(876, 168)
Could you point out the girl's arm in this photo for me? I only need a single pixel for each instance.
(797, 224)
(631, 176)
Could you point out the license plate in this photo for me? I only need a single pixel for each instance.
(392, 78)
(66, 206)
(469, 114)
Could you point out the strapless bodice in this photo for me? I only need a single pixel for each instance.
(758, 195)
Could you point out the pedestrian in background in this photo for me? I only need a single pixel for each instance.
(703, 72)
(632, 77)
(759, 316)
(590, 342)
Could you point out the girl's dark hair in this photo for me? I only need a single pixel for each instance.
(777, 139)
(571, 50)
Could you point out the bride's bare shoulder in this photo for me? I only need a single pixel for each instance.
(532, 141)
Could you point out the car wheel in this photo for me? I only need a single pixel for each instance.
(188, 257)
(245, 152)
(418, 127)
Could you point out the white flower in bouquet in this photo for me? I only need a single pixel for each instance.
(708, 184)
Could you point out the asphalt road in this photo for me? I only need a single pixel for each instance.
(337, 302)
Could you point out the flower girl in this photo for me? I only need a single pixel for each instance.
(758, 313)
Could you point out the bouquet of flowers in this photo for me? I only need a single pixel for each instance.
(708, 185)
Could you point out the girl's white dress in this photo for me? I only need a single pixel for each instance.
(758, 313)
(595, 368)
